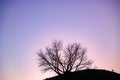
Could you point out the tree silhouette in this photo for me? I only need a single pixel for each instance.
(59, 60)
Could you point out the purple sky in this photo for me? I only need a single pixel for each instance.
(28, 25)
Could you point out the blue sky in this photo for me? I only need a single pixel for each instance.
(26, 26)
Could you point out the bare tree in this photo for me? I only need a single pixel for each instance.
(59, 60)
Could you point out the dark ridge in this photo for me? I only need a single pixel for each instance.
(88, 74)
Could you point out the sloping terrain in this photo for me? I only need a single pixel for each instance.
(88, 74)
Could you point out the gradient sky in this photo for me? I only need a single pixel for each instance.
(28, 25)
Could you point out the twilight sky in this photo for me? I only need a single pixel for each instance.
(28, 25)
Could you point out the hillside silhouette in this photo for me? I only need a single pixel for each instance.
(88, 74)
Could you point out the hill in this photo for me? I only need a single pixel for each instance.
(88, 74)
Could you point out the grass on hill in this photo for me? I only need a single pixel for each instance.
(88, 74)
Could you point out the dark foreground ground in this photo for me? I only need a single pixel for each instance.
(88, 74)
